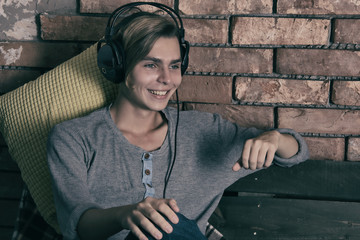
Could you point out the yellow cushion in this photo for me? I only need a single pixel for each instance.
(27, 114)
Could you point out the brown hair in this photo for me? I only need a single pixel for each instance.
(137, 34)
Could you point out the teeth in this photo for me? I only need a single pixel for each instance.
(160, 93)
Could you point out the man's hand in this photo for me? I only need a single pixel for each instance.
(149, 214)
(259, 152)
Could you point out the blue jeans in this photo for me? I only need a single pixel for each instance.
(185, 229)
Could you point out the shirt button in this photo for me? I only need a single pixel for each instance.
(147, 156)
(147, 172)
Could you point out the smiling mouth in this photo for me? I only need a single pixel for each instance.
(158, 93)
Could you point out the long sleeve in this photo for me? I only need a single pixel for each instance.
(69, 173)
(300, 156)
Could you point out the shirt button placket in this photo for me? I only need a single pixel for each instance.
(147, 175)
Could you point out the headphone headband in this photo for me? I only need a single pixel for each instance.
(119, 11)
(111, 55)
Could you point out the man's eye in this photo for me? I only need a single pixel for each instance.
(177, 66)
(150, 65)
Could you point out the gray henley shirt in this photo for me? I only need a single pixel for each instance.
(94, 166)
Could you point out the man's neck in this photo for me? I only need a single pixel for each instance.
(134, 119)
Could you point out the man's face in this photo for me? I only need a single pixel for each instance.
(156, 77)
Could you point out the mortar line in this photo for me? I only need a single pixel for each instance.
(274, 8)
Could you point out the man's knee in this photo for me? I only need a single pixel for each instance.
(185, 229)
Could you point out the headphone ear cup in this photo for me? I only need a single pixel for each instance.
(184, 48)
(110, 62)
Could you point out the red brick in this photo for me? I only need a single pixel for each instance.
(326, 148)
(318, 7)
(353, 151)
(346, 93)
(206, 30)
(193, 7)
(347, 31)
(38, 54)
(280, 31)
(318, 62)
(270, 90)
(108, 6)
(206, 89)
(12, 79)
(72, 28)
(231, 60)
(331, 121)
(245, 116)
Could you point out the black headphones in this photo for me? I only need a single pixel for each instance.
(111, 55)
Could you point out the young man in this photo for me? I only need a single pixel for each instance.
(111, 168)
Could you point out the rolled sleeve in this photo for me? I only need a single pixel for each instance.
(302, 154)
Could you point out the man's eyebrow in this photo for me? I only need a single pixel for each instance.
(156, 60)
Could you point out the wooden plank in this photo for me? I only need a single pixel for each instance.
(6, 162)
(11, 185)
(311, 179)
(2, 140)
(266, 218)
(6, 233)
(8, 210)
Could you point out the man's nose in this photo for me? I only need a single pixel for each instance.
(164, 76)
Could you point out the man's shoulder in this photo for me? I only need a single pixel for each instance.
(82, 122)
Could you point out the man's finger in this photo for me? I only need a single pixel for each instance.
(236, 167)
(138, 233)
(253, 158)
(269, 158)
(246, 153)
(173, 205)
(159, 221)
(261, 157)
(166, 211)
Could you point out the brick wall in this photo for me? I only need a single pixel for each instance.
(264, 63)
